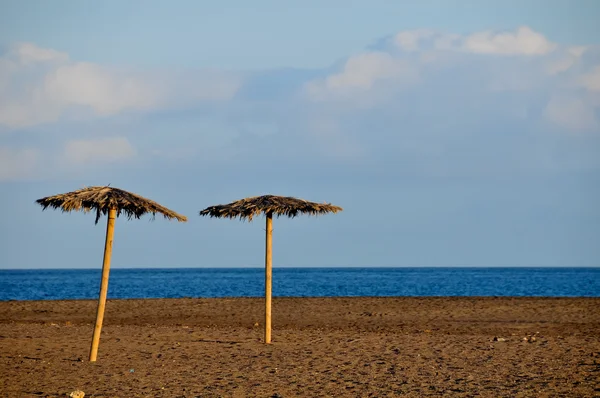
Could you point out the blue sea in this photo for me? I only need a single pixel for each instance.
(59, 284)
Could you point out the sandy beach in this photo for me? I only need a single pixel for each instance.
(322, 347)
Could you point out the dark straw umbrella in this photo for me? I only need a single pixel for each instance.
(247, 209)
(112, 202)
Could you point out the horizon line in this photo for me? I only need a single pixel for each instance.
(305, 267)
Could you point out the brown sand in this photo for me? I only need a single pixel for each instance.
(338, 347)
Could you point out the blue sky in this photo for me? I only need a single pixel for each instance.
(453, 133)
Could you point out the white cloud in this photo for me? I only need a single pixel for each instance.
(361, 73)
(410, 40)
(423, 52)
(17, 164)
(426, 101)
(567, 59)
(561, 65)
(469, 71)
(524, 41)
(447, 41)
(106, 92)
(40, 85)
(572, 113)
(591, 80)
(29, 53)
(577, 51)
(108, 150)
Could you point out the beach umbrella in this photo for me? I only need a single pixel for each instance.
(269, 205)
(112, 202)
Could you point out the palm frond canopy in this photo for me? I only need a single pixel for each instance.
(102, 199)
(248, 208)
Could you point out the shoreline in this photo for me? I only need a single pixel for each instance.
(299, 297)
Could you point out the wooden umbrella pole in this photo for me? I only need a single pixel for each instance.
(110, 230)
(268, 276)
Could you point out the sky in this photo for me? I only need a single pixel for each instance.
(453, 133)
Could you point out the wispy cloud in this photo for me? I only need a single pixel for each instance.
(591, 80)
(475, 67)
(420, 102)
(361, 73)
(572, 113)
(523, 41)
(40, 85)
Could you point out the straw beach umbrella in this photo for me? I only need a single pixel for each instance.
(112, 202)
(269, 205)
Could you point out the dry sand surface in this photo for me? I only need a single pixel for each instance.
(322, 347)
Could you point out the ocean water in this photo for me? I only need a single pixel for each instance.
(300, 282)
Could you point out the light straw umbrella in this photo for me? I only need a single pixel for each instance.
(112, 202)
(247, 209)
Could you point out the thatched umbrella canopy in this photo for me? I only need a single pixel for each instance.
(103, 199)
(111, 202)
(269, 205)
